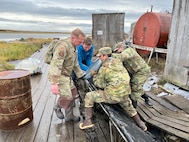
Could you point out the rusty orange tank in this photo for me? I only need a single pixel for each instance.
(152, 30)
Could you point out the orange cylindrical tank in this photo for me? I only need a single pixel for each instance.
(152, 30)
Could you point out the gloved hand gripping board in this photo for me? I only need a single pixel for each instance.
(94, 67)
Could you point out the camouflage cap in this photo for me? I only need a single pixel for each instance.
(117, 46)
(104, 51)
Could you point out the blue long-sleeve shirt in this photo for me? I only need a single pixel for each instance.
(84, 57)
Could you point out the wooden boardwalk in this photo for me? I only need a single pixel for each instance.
(45, 127)
(167, 115)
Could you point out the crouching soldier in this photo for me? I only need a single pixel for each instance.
(138, 69)
(113, 82)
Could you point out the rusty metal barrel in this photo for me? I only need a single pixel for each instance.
(15, 99)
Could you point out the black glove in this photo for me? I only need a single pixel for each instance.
(83, 84)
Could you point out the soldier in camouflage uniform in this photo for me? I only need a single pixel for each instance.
(114, 83)
(63, 62)
(138, 69)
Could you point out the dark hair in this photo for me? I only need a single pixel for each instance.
(87, 41)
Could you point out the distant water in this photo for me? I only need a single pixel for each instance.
(17, 36)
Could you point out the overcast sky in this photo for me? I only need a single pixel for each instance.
(65, 15)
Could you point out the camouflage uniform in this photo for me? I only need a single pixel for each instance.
(113, 79)
(138, 69)
(63, 62)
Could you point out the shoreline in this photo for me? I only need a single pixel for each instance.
(32, 32)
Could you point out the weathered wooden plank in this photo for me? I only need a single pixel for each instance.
(175, 120)
(167, 120)
(30, 132)
(4, 135)
(170, 129)
(44, 125)
(79, 135)
(100, 118)
(67, 131)
(55, 133)
(99, 131)
(162, 102)
(148, 110)
(171, 123)
(179, 101)
(180, 115)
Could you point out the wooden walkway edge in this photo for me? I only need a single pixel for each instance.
(45, 126)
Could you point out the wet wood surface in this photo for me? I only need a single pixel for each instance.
(45, 126)
(166, 116)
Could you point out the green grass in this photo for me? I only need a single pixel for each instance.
(18, 50)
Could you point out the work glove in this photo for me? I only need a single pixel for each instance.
(93, 72)
(83, 84)
(54, 89)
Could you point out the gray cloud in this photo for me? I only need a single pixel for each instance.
(43, 15)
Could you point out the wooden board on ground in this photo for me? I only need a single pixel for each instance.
(165, 116)
(179, 101)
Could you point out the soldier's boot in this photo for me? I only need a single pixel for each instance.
(87, 122)
(139, 122)
(134, 103)
(147, 101)
(69, 116)
(58, 111)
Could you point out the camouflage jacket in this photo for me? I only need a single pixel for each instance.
(132, 61)
(63, 62)
(113, 78)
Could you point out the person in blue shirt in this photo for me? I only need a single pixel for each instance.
(85, 53)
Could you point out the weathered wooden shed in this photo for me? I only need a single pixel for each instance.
(177, 62)
(108, 28)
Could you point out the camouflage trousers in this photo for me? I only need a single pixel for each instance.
(67, 92)
(65, 86)
(100, 96)
(137, 81)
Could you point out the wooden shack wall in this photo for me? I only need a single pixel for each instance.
(108, 28)
(177, 62)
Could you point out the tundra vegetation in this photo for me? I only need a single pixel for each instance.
(18, 49)
(24, 48)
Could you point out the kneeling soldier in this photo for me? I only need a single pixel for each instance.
(114, 83)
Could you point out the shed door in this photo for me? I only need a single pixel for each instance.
(107, 29)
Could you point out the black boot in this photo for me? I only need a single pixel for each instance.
(134, 103)
(58, 112)
(147, 101)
